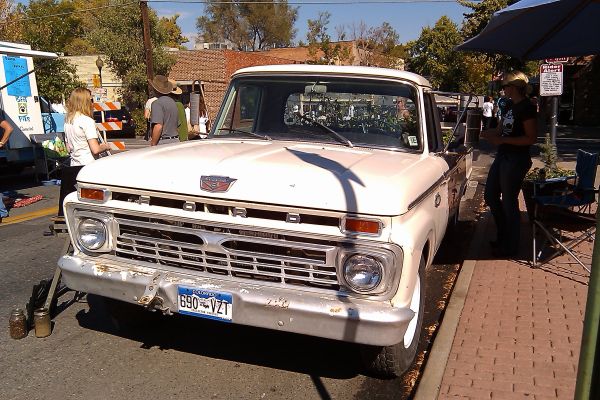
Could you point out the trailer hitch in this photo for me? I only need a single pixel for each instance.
(150, 291)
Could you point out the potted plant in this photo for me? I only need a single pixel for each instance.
(543, 177)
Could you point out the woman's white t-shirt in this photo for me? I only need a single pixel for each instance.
(77, 134)
(488, 107)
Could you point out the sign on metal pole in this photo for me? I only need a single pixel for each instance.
(551, 79)
(557, 60)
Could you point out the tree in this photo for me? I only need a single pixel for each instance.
(173, 36)
(249, 25)
(379, 46)
(10, 29)
(56, 79)
(118, 35)
(433, 55)
(475, 21)
(50, 25)
(320, 47)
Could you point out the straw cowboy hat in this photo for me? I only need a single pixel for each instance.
(161, 84)
(176, 88)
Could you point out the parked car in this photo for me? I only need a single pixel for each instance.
(123, 115)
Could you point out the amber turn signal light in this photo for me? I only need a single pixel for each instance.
(92, 194)
(362, 226)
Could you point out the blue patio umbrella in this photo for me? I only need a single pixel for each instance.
(538, 29)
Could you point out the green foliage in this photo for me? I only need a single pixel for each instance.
(56, 79)
(432, 54)
(137, 115)
(10, 29)
(474, 23)
(320, 47)
(173, 35)
(50, 33)
(249, 26)
(551, 169)
(379, 46)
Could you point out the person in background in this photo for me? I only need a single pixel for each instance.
(187, 116)
(6, 129)
(488, 109)
(203, 125)
(504, 104)
(513, 137)
(147, 115)
(164, 113)
(83, 141)
(181, 120)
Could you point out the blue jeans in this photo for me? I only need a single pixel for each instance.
(3, 210)
(502, 196)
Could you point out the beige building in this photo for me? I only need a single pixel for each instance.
(87, 70)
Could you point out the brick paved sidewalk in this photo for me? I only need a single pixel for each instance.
(520, 330)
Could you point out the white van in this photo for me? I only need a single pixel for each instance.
(20, 101)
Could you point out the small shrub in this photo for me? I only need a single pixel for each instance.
(140, 121)
(550, 170)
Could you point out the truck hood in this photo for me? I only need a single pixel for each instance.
(317, 176)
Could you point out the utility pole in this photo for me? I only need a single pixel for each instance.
(147, 42)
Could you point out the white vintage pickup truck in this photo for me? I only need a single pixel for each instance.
(318, 200)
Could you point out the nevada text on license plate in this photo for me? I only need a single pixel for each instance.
(205, 303)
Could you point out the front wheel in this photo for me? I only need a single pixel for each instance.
(392, 361)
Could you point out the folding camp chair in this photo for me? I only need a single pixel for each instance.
(565, 219)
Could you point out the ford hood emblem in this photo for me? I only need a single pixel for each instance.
(212, 183)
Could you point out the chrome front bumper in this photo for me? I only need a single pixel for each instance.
(323, 315)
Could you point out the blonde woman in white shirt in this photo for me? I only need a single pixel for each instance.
(82, 140)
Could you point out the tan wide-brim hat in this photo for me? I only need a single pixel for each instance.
(161, 84)
(176, 88)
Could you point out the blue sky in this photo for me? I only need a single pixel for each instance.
(407, 18)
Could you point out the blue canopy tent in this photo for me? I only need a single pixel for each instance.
(538, 29)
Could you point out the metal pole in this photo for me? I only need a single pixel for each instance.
(554, 121)
(588, 374)
(147, 42)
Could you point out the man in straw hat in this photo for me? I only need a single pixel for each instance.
(164, 114)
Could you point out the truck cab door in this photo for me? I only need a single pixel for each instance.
(456, 175)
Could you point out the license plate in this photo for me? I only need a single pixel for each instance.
(205, 303)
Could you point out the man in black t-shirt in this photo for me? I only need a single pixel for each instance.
(514, 137)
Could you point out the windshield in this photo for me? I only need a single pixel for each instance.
(353, 112)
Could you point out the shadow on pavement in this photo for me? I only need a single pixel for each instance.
(248, 345)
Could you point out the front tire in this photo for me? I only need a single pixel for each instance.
(392, 361)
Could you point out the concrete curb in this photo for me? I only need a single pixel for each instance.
(431, 380)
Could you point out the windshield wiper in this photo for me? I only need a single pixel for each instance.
(264, 137)
(327, 129)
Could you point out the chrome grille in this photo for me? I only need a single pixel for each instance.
(215, 250)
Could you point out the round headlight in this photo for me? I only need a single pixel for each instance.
(362, 273)
(92, 233)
